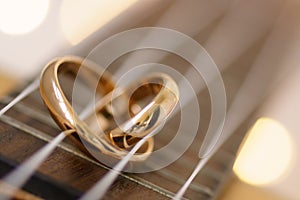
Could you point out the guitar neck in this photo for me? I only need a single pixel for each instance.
(68, 172)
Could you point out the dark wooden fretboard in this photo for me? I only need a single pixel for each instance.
(68, 172)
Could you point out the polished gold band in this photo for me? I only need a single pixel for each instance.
(150, 101)
(53, 95)
(141, 118)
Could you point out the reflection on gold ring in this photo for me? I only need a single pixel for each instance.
(112, 139)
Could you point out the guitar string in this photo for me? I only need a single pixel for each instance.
(240, 104)
(236, 105)
(185, 186)
(15, 180)
(199, 189)
(202, 162)
(170, 175)
(74, 151)
(19, 176)
(198, 166)
(122, 163)
(42, 117)
(101, 187)
(23, 94)
(43, 136)
(32, 168)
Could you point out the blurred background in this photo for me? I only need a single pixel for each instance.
(255, 44)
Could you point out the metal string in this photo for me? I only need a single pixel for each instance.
(18, 177)
(102, 186)
(28, 90)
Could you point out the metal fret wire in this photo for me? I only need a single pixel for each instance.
(166, 173)
(19, 176)
(45, 137)
(42, 118)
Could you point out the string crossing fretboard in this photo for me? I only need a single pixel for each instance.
(68, 172)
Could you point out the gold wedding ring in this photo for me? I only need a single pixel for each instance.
(53, 95)
(149, 102)
(120, 118)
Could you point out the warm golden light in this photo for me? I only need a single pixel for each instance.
(81, 18)
(22, 16)
(266, 153)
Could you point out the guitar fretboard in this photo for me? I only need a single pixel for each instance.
(68, 172)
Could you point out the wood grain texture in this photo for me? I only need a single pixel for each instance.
(68, 169)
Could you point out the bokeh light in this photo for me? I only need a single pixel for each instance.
(266, 153)
(81, 18)
(22, 16)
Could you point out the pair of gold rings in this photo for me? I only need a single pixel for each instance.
(120, 118)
